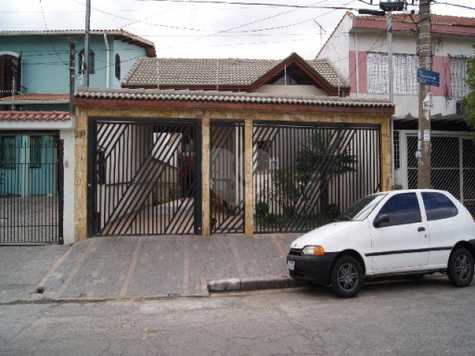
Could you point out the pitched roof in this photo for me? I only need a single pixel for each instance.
(34, 116)
(123, 35)
(212, 73)
(453, 25)
(34, 98)
(229, 97)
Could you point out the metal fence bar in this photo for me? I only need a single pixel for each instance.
(227, 177)
(306, 175)
(31, 189)
(144, 183)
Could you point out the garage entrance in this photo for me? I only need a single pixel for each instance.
(227, 177)
(307, 175)
(144, 177)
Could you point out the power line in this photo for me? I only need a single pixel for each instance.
(140, 21)
(267, 4)
(49, 39)
(286, 12)
(454, 5)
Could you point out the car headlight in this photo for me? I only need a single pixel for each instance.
(313, 250)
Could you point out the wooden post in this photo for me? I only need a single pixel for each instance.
(81, 178)
(248, 186)
(205, 176)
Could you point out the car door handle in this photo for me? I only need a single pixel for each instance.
(421, 228)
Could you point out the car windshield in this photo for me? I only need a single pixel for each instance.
(362, 208)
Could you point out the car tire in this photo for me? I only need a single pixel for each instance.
(460, 268)
(346, 277)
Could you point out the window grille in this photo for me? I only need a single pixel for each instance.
(396, 153)
(405, 74)
(91, 63)
(8, 150)
(35, 151)
(117, 66)
(458, 70)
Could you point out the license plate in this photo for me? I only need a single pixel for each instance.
(291, 265)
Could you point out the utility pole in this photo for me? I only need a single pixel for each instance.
(72, 71)
(389, 36)
(424, 50)
(86, 43)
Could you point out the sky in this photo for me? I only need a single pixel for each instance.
(201, 30)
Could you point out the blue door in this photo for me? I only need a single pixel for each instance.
(42, 165)
(27, 165)
(12, 160)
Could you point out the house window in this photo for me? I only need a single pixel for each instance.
(405, 74)
(91, 62)
(117, 66)
(458, 70)
(7, 152)
(10, 75)
(291, 75)
(35, 151)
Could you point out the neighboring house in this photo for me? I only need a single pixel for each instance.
(216, 146)
(36, 128)
(37, 62)
(358, 49)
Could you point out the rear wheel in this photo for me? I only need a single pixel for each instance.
(460, 268)
(346, 277)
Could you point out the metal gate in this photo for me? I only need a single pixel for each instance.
(307, 175)
(144, 178)
(452, 166)
(31, 189)
(227, 177)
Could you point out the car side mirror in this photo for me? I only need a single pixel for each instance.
(381, 220)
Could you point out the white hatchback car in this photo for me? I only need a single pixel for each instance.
(413, 232)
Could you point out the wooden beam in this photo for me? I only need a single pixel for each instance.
(205, 164)
(248, 181)
(121, 104)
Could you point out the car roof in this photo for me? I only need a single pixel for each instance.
(415, 190)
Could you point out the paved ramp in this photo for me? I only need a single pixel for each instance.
(134, 267)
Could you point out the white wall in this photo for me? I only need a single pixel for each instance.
(405, 43)
(337, 48)
(68, 163)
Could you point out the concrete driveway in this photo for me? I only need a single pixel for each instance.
(149, 267)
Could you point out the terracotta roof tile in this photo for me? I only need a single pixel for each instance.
(441, 24)
(189, 72)
(228, 97)
(34, 116)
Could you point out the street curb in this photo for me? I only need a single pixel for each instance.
(249, 284)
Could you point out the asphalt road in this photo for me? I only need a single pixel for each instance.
(426, 317)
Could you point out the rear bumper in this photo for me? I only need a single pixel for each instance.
(313, 268)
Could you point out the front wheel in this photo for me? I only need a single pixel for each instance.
(346, 277)
(460, 268)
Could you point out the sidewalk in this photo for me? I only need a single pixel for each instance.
(154, 267)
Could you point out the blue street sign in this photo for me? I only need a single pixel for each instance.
(428, 77)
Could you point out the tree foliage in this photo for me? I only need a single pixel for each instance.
(469, 100)
(317, 162)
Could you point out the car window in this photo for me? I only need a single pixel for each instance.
(401, 209)
(438, 206)
(362, 208)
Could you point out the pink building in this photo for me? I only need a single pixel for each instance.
(358, 49)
